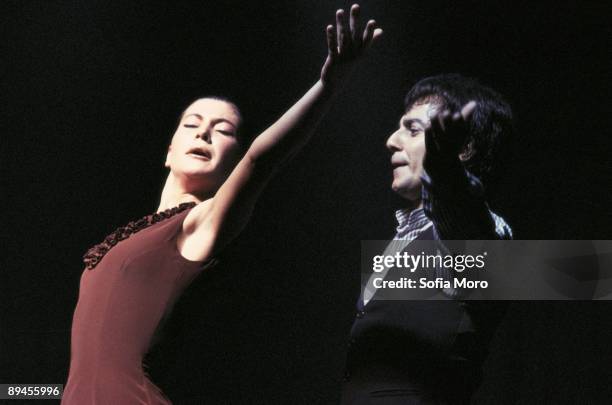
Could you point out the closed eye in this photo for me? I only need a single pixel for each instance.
(414, 131)
(413, 125)
(228, 133)
(190, 125)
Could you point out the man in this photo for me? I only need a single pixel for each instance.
(431, 352)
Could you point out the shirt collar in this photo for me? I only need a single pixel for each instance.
(410, 220)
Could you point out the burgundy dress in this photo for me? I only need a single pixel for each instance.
(122, 300)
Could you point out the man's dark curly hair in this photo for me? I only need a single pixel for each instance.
(490, 123)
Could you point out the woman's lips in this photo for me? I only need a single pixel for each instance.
(200, 153)
(198, 156)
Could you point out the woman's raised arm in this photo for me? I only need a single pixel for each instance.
(223, 217)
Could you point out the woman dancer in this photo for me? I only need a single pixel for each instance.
(132, 278)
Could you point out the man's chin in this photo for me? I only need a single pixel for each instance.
(411, 192)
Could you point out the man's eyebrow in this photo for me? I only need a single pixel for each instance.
(213, 121)
(407, 121)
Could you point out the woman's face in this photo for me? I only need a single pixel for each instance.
(204, 148)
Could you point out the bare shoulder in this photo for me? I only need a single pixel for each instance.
(193, 242)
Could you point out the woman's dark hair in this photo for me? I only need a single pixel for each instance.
(241, 133)
(490, 123)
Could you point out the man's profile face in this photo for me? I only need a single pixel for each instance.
(407, 147)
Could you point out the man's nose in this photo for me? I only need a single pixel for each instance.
(392, 142)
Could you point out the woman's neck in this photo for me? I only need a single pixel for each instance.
(175, 193)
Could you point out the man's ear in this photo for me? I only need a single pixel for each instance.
(167, 162)
(468, 151)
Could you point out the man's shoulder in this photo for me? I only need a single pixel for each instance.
(502, 229)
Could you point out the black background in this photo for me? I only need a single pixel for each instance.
(91, 92)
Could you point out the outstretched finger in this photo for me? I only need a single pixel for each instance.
(433, 134)
(377, 33)
(444, 119)
(431, 145)
(371, 34)
(462, 118)
(341, 31)
(455, 123)
(456, 132)
(354, 26)
(468, 110)
(368, 32)
(332, 45)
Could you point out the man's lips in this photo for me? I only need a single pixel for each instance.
(397, 160)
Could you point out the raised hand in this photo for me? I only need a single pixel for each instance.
(346, 43)
(446, 136)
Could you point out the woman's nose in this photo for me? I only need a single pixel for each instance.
(204, 135)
